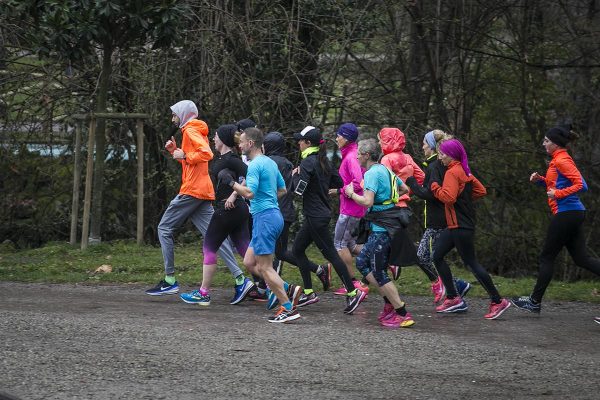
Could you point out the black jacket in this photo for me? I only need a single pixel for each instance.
(435, 216)
(274, 145)
(315, 196)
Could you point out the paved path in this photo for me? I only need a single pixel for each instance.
(114, 342)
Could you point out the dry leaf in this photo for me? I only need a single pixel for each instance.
(103, 269)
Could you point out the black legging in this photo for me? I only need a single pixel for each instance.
(462, 239)
(317, 230)
(281, 249)
(565, 230)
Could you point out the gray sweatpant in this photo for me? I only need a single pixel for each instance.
(200, 212)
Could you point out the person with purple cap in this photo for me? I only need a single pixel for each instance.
(350, 212)
(563, 183)
(458, 190)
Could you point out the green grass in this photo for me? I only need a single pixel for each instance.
(62, 263)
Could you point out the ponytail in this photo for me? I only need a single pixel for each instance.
(323, 160)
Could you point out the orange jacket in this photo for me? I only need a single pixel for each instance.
(195, 180)
(457, 193)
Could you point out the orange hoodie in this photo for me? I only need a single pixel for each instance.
(195, 180)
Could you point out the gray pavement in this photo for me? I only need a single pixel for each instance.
(114, 342)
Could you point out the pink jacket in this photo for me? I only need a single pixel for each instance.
(351, 174)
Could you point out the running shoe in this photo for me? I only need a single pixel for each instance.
(195, 297)
(293, 293)
(307, 299)
(163, 288)
(360, 286)
(398, 321)
(525, 303)
(325, 276)
(462, 287)
(352, 302)
(456, 304)
(439, 290)
(387, 312)
(272, 300)
(496, 309)
(396, 271)
(284, 316)
(257, 295)
(341, 291)
(597, 320)
(241, 291)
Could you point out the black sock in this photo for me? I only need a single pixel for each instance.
(401, 311)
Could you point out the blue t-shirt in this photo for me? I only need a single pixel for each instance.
(377, 180)
(263, 178)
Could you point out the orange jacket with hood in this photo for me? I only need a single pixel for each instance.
(392, 145)
(195, 180)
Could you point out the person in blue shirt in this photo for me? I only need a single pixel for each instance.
(264, 184)
(381, 191)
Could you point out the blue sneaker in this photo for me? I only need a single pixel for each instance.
(241, 291)
(272, 300)
(525, 303)
(163, 288)
(462, 287)
(195, 297)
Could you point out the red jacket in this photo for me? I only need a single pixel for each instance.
(457, 193)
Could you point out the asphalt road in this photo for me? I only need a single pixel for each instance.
(114, 342)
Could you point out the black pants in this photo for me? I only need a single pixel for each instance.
(317, 230)
(463, 240)
(281, 249)
(565, 230)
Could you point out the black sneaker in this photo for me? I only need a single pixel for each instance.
(284, 316)
(293, 293)
(306, 299)
(352, 302)
(163, 288)
(325, 276)
(525, 303)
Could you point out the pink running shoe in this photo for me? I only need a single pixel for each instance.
(456, 304)
(396, 321)
(341, 291)
(496, 310)
(359, 285)
(439, 290)
(388, 311)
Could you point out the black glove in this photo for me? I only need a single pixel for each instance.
(226, 177)
(411, 182)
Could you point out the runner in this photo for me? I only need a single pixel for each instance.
(195, 197)
(435, 220)
(229, 220)
(381, 192)
(312, 180)
(350, 213)
(562, 182)
(264, 184)
(457, 192)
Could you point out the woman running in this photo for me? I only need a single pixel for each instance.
(312, 180)
(382, 188)
(230, 217)
(435, 220)
(457, 192)
(562, 182)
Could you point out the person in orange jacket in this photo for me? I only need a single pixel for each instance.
(195, 196)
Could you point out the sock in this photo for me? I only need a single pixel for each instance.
(285, 286)
(386, 300)
(170, 279)
(401, 311)
(352, 293)
(239, 279)
(308, 291)
(319, 270)
(364, 282)
(287, 306)
(204, 291)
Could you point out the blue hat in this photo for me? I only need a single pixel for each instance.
(348, 131)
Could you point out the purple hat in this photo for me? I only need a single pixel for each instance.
(348, 131)
(456, 150)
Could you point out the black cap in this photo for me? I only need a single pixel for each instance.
(309, 133)
(245, 123)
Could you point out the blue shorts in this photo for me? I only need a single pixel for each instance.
(266, 228)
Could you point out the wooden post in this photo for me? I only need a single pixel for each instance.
(89, 173)
(76, 184)
(140, 181)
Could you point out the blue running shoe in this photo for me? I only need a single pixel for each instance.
(195, 297)
(163, 288)
(241, 291)
(525, 303)
(462, 287)
(272, 300)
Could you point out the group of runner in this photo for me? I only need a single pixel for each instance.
(374, 183)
